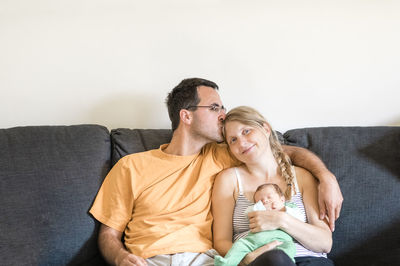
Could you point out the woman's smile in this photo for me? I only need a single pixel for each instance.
(247, 150)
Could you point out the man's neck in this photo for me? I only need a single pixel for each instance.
(184, 145)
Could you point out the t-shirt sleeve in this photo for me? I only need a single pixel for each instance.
(114, 202)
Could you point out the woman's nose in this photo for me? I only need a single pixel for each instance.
(243, 142)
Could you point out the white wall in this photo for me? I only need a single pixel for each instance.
(112, 62)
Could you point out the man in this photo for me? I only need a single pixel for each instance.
(161, 199)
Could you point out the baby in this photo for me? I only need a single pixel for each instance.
(267, 197)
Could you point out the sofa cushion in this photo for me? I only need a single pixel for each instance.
(366, 162)
(49, 177)
(126, 141)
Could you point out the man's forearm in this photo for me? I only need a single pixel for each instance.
(110, 244)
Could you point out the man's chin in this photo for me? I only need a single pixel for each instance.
(219, 139)
(215, 138)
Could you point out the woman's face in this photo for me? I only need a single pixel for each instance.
(246, 143)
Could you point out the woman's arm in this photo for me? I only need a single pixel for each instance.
(314, 235)
(223, 202)
(330, 197)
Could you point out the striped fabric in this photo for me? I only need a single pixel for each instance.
(241, 222)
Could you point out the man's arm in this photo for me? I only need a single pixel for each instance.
(113, 249)
(330, 197)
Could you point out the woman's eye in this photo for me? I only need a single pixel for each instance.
(233, 140)
(246, 131)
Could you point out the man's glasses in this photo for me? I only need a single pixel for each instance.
(214, 107)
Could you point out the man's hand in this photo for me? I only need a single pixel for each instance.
(129, 259)
(330, 200)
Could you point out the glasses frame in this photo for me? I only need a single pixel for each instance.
(213, 107)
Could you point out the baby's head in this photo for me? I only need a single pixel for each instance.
(271, 196)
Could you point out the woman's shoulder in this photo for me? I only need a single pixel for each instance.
(226, 178)
(224, 184)
(227, 174)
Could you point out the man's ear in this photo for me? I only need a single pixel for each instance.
(186, 116)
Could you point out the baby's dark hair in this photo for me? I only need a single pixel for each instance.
(275, 186)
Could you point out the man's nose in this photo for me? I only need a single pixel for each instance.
(221, 116)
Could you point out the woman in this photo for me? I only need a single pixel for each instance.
(252, 141)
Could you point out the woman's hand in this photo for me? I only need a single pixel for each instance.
(265, 220)
(253, 255)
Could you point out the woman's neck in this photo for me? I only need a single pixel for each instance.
(266, 167)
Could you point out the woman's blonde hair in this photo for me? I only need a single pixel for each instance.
(251, 117)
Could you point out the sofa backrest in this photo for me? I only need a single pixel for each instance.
(49, 176)
(126, 141)
(366, 162)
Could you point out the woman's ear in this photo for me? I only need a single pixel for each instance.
(186, 116)
(267, 128)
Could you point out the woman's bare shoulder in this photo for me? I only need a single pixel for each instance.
(226, 175)
(226, 179)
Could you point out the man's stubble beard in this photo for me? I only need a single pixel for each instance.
(199, 132)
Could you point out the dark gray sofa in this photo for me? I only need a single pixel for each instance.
(49, 177)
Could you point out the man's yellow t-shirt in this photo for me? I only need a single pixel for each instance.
(162, 202)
